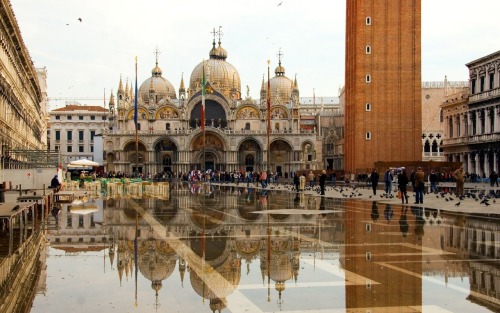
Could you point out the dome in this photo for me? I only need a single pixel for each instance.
(221, 75)
(280, 86)
(162, 87)
(156, 267)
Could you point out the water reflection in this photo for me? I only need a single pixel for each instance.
(221, 249)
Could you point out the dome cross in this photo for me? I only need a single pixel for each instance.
(156, 52)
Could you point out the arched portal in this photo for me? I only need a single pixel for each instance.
(250, 156)
(208, 154)
(137, 158)
(166, 156)
(215, 115)
(280, 156)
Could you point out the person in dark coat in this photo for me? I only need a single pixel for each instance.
(322, 181)
(54, 183)
(374, 177)
(296, 181)
(402, 183)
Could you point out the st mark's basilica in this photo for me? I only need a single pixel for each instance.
(170, 136)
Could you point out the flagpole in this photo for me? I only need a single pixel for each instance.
(135, 122)
(268, 116)
(203, 87)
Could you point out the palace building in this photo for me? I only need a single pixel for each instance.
(170, 137)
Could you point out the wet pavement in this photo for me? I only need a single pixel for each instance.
(225, 248)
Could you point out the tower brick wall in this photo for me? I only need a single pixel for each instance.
(383, 83)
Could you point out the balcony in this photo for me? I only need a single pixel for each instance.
(192, 130)
(485, 95)
(485, 138)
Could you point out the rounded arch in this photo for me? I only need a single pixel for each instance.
(165, 144)
(136, 159)
(249, 154)
(215, 114)
(280, 156)
(212, 141)
(248, 112)
(166, 112)
(142, 113)
(130, 146)
(279, 112)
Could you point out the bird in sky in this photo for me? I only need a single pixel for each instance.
(80, 19)
(280, 3)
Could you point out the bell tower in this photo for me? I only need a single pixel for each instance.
(383, 107)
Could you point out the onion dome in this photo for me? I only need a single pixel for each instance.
(156, 267)
(280, 86)
(221, 75)
(157, 85)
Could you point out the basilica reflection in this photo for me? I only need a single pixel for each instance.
(224, 244)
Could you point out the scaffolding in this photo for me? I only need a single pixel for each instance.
(23, 158)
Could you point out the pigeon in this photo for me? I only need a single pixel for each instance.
(457, 204)
(15, 208)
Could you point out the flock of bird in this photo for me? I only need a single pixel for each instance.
(481, 197)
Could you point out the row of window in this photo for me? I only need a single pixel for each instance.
(69, 135)
(482, 83)
(80, 117)
(368, 79)
(81, 148)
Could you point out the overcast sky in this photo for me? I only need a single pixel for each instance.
(85, 58)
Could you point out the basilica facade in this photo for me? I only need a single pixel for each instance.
(240, 133)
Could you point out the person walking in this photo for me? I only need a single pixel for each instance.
(388, 182)
(374, 179)
(402, 183)
(459, 176)
(322, 181)
(419, 186)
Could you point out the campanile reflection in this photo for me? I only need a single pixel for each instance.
(382, 256)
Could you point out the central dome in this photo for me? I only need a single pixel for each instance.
(157, 85)
(280, 86)
(221, 75)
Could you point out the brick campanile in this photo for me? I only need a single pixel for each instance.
(383, 117)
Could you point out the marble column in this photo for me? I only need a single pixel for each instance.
(495, 161)
(476, 163)
(487, 164)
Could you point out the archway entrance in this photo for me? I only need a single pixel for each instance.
(166, 157)
(136, 160)
(250, 156)
(208, 155)
(280, 157)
